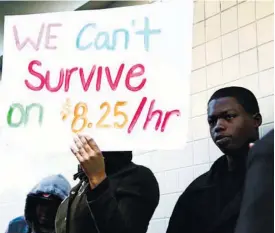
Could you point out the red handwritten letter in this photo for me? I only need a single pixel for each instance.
(36, 74)
(86, 83)
(151, 114)
(134, 73)
(114, 84)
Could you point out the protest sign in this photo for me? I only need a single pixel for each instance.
(119, 75)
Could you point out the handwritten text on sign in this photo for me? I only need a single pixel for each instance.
(123, 76)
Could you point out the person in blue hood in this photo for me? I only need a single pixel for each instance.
(41, 206)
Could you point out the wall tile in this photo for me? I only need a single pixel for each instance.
(200, 127)
(201, 153)
(213, 51)
(230, 44)
(266, 56)
(200, 169)
(198, 57)
(247, 37)
(198, 103)
(213, 27)
(157, 226)
(199, 33)
(169, 203)
(229, 20)
(211, 8)
(246, 13)
(214, 74)
(198, 80)
(171, 179)
(266, 128)
(186, 176)
(265, 30)
(160, 176)
(185, 158)
(190, 132)
(266, 82)
(266, 110)
(231, 69)
(198, 11)
(225, 4)
(264, 8)
(251, 82)
(248, 62)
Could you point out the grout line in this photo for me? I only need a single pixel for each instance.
(221, 45)
(220, 11)
(260, 98)
(257, 45)
(205, 57)
(239, 53)
(264, 70)
(238, 34)
(180, 168)
(224, 34)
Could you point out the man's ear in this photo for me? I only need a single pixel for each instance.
(257, 119)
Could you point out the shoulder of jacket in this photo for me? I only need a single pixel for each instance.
(20, 219)
(199, 182)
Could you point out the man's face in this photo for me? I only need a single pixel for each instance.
(46, 212)
(231, 127)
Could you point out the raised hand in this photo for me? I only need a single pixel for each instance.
(90, 158)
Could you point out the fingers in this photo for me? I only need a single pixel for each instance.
(77, 155)
(92, 144)
(80, 148)
(85, 148)
(85, 144)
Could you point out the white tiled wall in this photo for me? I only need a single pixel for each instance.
(232, 45)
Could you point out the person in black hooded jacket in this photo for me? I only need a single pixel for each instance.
(212, 202)
(41, 206)
(257, 208)
(114, 195)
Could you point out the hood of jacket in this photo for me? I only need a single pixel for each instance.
(55, 185)
(114, 161)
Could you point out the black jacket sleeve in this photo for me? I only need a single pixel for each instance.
(129, 208)
(257, 209)
(180, 220)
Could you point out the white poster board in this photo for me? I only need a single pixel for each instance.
(126, 70)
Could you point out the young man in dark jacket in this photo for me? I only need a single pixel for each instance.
(257, 209)
(41, 206)
(211, 204)
(114, 195)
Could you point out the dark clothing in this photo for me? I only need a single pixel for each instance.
(123, 203)
(211, 203)
(257, 209)
(56, 185)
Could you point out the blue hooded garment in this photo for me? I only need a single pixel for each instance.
(56, 185)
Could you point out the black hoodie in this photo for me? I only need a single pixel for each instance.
(123, 203)
(257, 208)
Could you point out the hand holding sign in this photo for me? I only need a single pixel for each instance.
(90, 159)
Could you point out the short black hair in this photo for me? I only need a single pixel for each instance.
(244, 97)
